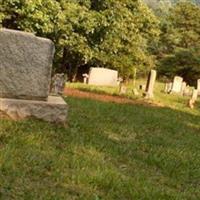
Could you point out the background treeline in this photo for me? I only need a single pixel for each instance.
(118, 34)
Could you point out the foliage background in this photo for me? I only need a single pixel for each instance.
(118, 34)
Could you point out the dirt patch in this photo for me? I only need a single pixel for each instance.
(106, 98)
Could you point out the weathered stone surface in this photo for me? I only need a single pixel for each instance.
(183, 87)
(58, 84)
(193, 98)
(187, 91)
(25, 65)
(52, 110)
(198, 86)
(103, 76)
(122, 89)
(177, 84)
(150, 84)
(168, 87)
(142, 87)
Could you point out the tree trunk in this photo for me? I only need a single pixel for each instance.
(63, 63)
(69, 66)
(74, 73)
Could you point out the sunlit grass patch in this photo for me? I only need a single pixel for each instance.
(108, 151)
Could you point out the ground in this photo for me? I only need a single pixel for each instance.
(109, 150)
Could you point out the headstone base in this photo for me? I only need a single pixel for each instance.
(53, 110)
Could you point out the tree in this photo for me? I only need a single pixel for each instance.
(180, 40)
(184, 62)
(106, 33)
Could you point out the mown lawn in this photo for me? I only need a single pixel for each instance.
(109, 151)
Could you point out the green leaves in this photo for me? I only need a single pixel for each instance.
(181, 43)
(108, 33)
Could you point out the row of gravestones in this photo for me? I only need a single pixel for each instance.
(25, 76)
(180, 87)
(148, 88)
(177, 86)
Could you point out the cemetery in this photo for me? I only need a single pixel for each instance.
(92, 107)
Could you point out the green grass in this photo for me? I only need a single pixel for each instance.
(174, 101)
(95, 89)
(109, 151)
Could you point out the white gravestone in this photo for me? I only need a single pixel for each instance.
(193, 98)
(187, 91)
(198, 86)
(168, 87)
(177, 84)
(85, 78)
(58, 84)
(103, 76)
(183, 87)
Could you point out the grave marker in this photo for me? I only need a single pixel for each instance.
(183, 87)
(103, 76)
(177, 84)
(25, 65)
(193, 98)
(168, 87)
(150, 84)
(25, 73)
(198, 86)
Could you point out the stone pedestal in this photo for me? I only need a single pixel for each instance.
(193, 98)
(52, 110)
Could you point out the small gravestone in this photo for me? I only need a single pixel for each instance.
(150, 84)
(122, 89)
(85, 78)
(183, 87)
(58, 84)
(187, 91)
(168, 87)
(193, 98)
(142, 87)
(25, 74)
(135, 92)
(177, 84)
(198, 86)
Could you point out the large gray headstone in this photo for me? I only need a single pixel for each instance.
(25, 65)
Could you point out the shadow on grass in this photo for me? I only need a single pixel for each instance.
(109, 151)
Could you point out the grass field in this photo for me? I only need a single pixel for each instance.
(173, 101)
(108, 151)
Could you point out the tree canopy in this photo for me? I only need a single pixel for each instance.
(181, 42)
(118, 34)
